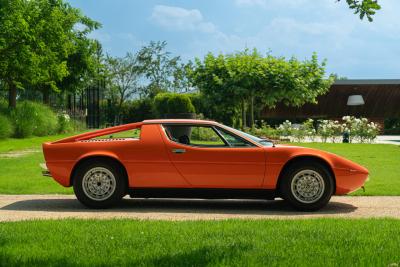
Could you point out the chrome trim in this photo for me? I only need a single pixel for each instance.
(45, 171)
(178, 150)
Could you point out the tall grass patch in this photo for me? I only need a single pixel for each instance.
(32, 118)
(6, 128)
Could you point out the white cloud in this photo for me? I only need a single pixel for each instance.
(270, 3)
(353, 48)
(181, 19)
(100, 35)
(130, 38)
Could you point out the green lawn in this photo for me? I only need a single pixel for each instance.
(383, 162)
(314, 242)
(22, 175)
(13, 144)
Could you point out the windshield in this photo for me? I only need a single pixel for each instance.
(263, 142)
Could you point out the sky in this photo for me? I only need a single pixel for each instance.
(353, 48)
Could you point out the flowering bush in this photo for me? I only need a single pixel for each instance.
(359, 130)
(330, 129)
(264, 131)
(64, 124)
(285, 129)
(309, 129)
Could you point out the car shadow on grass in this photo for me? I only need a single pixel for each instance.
(200, 206)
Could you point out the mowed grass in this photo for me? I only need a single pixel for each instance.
(23, 175)
(315, 242)
(383, 162)
(13, 144)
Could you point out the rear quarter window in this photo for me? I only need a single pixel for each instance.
(135, 133)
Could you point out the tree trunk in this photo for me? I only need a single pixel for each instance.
(12, 95)
(46, 96)
(244, 120)
(252, 110)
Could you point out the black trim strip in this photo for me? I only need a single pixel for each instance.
(202, 193)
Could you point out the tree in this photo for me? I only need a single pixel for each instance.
(123, 76)
(162, 71)
(85, 66)
(248, 81)
(365, 8)
(36, 39)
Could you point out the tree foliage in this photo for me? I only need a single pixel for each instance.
(36, 40)
(247, 80)
(364, 8)
(123, 75)
(162, 71)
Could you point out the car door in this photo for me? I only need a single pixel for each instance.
(205, 158)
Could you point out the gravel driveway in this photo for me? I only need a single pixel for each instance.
(27, 207)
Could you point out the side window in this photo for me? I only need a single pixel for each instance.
(204, 136)
(233, 140)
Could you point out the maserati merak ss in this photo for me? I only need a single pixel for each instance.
(195, 159)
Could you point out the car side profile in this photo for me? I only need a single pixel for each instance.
(195, 159)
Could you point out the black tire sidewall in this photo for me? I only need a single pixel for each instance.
(120, 187)
(288, 176)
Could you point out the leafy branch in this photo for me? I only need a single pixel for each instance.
(365, 8)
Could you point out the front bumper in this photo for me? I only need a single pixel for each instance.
(349, 180)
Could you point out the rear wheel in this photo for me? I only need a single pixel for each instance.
(99, 184)
(307, 186)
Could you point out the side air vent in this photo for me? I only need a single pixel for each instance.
(103, 140)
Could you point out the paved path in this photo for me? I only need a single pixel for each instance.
(388, 139)
(27, 207)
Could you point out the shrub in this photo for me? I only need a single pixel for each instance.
(198, 101)
(285, 129)
(31, 118)
(264, 131)
(299, 134)
(6, 128)
(171, 103)
(64, 123)
(161, 103)
(3, 107)
(325, 130)
(308, 127)
(138, 110)
(360, 129)
(179, 103)
(77, 125)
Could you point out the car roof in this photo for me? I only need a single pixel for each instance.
(178, 121)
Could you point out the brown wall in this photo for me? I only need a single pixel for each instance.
(381, 101)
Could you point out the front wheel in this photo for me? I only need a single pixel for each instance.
(99, 184)
(307, 186)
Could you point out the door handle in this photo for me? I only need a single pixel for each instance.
(178, 150)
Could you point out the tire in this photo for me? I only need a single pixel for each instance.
(99, 184)
(307, 185)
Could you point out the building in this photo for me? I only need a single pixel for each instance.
(376, 100)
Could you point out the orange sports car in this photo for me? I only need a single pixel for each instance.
(195, 159)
